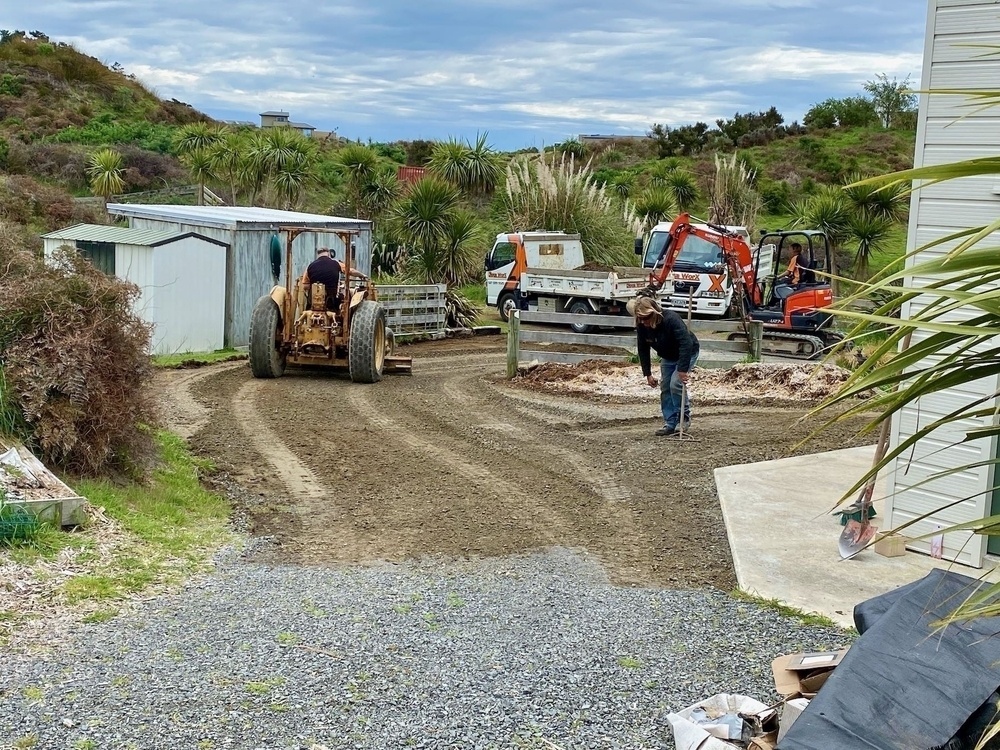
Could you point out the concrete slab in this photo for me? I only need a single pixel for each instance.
(784, 539)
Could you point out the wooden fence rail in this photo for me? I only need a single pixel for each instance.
(519, 334)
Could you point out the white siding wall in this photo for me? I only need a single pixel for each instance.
(949, 62)
(189, 299)
(134, 263)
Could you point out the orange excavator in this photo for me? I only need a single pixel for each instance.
(790, 305)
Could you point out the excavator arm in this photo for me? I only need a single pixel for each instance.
(664, 264)
(735, 252)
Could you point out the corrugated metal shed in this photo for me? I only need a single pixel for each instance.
(248, 233)
(117, 235)
(230, 217)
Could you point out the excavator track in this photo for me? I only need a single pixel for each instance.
(792, 345)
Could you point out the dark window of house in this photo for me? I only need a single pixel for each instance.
(101, 254)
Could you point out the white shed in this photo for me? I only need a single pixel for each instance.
(181, 276)
(949, 130)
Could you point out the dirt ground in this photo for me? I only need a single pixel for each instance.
(453, 461)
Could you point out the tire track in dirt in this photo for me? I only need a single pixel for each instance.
(298, 478)
(603, 519)
(182, 412)
(601, 483)
(488, 481)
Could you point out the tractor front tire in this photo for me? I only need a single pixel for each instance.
(367, 345)
(266, 361)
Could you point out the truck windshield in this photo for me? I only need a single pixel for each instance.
(696, 253)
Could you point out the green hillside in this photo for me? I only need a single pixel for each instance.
(59, 107)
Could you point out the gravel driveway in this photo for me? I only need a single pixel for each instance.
(516, 652)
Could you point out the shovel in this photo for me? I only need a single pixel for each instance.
(857, 534)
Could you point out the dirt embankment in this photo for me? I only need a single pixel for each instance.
(454, 461)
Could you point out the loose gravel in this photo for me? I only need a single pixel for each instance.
(523, 652)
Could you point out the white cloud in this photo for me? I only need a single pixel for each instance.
(400, 69)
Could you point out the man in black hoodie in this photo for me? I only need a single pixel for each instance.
(664, 332)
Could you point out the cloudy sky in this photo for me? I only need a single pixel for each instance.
(530, 72)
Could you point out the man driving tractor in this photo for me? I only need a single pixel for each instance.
(324, 270)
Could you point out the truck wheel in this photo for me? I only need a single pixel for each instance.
(581, 308)
(506, 304)
(266, 360)
(367, 344)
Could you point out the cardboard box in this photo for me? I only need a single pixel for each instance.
(789, 713)
(767, 742)
(891, 546)
(802, 675)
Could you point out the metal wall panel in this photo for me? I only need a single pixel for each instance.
(189, 301)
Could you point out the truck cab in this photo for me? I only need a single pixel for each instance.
(514, 253)
(700, 276)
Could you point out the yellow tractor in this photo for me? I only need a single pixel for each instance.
(293, 326)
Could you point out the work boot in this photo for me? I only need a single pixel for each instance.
(666, 430)
(686, 424)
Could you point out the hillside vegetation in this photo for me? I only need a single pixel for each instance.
(71, 127)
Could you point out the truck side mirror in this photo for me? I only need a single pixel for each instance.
(638, 245)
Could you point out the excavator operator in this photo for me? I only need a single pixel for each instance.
(789, 281)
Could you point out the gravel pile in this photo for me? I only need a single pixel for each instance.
(510, 653)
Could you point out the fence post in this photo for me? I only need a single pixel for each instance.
(756, 334)
(513, 345)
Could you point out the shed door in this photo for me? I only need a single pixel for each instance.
(101, 254)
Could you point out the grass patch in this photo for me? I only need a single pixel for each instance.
(196, 359)
(475, 292)
(775, 605)
(166, 529)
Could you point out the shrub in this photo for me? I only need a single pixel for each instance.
(74, 357)
(11, 85)
(24, 200)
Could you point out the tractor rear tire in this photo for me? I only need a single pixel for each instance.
(266, 361)
(367, 345)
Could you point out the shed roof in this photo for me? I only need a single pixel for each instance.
(233, 217)
(274, 113)
(117, 235)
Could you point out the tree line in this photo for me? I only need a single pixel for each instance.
(886, 103)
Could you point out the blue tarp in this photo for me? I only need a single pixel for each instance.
(906, 683)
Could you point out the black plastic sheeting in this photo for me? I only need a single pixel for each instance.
(905, 683)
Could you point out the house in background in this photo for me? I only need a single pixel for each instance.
(279, 119)
(247, 233)
(181, 278)
(948, 130)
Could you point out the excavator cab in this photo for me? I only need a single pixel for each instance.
(791, 294)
